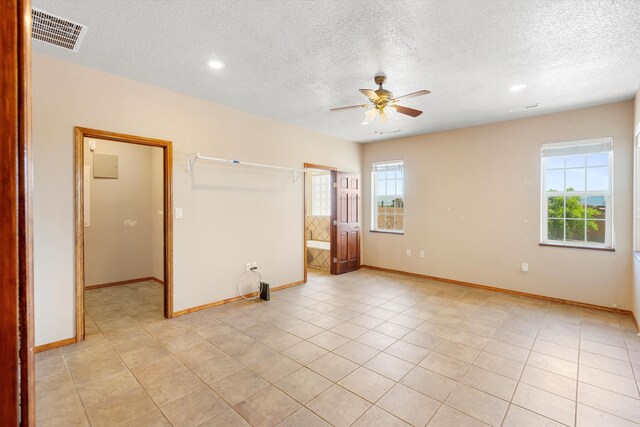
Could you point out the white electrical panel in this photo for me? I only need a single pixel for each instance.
(105, 166)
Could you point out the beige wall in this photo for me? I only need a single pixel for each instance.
(157, 217)
(229, 212)
(472, 203)
(118, 243)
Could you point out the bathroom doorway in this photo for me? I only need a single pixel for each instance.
(319, 219)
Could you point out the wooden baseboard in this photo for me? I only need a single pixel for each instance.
(507, 291)
(55, 344)
(635, 320)
(123, 282)
(155, 279)
(230, 300)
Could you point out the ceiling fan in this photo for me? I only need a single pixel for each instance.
(383, 103)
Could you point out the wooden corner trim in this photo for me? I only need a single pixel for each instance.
(322, 167)
(506, 291)
(55, 344)
(121, 137)
(230, 300)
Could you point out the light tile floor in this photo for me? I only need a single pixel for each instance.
(363, 349)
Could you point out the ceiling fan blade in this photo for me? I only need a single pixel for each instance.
(370, 115)
(408, 111)
(413, 95)
(350, 107)
(370, 93)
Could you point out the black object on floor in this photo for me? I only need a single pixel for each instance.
(265, 293)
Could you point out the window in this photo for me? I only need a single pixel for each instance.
(387, 210)
(321, 194)
(577, 193)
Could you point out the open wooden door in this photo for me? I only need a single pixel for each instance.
(347, 226)
(17, 375)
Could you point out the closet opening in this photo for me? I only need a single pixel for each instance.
(123, 230)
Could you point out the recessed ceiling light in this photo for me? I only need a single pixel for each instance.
(517, 88)
(215, 64)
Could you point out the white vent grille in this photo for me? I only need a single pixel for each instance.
(526, 107)
(55, 30)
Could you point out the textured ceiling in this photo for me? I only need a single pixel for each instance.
(294, 60)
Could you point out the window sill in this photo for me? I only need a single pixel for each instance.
(592, 248)
(387, 232)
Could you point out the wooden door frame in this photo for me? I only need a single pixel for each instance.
(334, 172)
(80, 134)
(17, 363)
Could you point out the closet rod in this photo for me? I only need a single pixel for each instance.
(192, 158)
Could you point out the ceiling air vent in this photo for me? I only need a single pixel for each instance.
(55, 30)
(526, 107)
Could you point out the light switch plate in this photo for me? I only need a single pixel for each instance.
(178, 213)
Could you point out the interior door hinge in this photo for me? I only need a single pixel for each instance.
(335, 260)
(335, 222)
(335, 185)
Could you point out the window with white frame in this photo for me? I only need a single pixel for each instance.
(321, 194)
(577, 193)
(387, 210)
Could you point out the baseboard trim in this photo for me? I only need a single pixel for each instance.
(155, 279)
(55, 344)
(123, 282)
(230, 300)
(507, 291)
(635, 320)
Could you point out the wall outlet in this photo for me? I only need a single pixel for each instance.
(525, 267)
(247, 266)
(178, 213)
(421, 254)
(254, 264)
(408, 252)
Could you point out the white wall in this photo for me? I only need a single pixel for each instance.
(472, 202)
(118, 243)
(231, 214)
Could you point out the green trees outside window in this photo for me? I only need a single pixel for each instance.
(576, 218)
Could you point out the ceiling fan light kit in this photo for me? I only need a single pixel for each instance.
(383, 105)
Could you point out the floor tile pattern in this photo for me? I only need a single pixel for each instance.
(363, 349)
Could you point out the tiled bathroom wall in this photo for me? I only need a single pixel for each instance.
(319, 259)
(318, 228)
